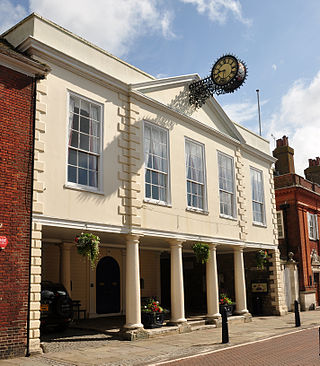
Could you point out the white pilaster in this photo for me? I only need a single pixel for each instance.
(177, 291)
(239, 281)
(65, 267)
(212, 284)
(133, 302)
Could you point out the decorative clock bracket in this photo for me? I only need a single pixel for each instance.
(228, 74)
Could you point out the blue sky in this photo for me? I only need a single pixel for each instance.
(276, 39)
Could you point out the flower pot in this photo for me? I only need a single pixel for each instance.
(152, 320)
(227, 307)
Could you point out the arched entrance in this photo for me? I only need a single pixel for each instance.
(108, 286)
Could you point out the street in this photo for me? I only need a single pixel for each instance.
(297, 349)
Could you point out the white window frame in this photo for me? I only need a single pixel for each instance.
(313, 226)
(280, 225)
(77, 186)
(204, 184)
(232, 193)
(167, 174)
(262, 203)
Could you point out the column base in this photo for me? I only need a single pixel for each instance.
(133, 326)
(214, 319)
(241, 312)
(133, 334)
(177, 321)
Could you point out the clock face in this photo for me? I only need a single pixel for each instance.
(224, 70)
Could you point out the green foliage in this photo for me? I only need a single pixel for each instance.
(262, 259)
(201, 250)
(88, 245)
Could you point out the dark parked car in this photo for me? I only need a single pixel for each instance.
(56, 306)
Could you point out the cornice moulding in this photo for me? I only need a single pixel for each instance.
(37, 48)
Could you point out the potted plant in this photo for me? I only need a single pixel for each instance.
(262, 259)
(152, 314)
(88, 245)
(225, 303)
(201, 250)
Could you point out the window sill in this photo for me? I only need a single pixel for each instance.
(260, 224)
(157, 203)
(313, 239)
(83, 189)
(228, 217)
(197, 210)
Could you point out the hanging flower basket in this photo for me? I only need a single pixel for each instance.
(201, 250)
(262, 259)
(88, 245)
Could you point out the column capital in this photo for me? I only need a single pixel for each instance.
(132, 238)
(238, 248)
(176, 242)
(212, 246)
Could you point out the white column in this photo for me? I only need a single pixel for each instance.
(212, 284)
(65, 269)
(177, 291)
(239, 281)
(133, 302)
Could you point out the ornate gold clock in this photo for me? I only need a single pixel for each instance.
(227, 75)
(224, 70)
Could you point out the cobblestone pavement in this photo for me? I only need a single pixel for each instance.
(94, 348)
(297, 349)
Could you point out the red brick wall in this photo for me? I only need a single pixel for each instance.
(16, 92)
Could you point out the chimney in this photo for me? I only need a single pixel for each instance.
(284, 153)
(312, 173)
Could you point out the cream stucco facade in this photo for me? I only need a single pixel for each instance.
(140, 234)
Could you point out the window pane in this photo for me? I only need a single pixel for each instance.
(84, 125)
(85, 108)
(84, 142)
(93, 162)
(74, 139)
(74, 104)
(95, 112)
(155, 192)
(83, 177)
(93, 182)
(94, 144)
(75, 122)
(148, 190)
(148, 176)
(83, 160)
(154, 178)
(72, 174)
(72, 157)
(95, 129)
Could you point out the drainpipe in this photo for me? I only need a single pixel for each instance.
(284, 208)
(34, 87)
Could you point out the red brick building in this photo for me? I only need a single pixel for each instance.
(298, 210)
(18, 77)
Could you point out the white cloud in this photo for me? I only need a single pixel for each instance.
(113, 25)
(299, 119)
(10, 14)
(274, 67)
(218, 10)
(244, 112)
